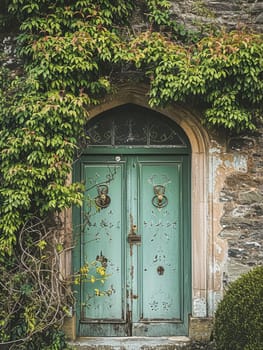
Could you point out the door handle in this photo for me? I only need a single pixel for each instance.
(102, 200)
(159, 200)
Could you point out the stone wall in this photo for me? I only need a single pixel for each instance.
(229, 13)
(242, 195)
(7, 51)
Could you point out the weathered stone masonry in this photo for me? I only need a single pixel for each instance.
(242, 195)
(231, 14)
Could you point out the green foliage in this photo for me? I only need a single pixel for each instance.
(238, 320)
(50, 339)
(34, 298)
(38, 140)
(5, 19)
(159, 16)
(224, 73)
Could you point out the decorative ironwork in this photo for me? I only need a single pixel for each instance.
(103, 200)
(159, 200)
(133, 125)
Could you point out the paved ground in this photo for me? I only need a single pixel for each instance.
(133, 343)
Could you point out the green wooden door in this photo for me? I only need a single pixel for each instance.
(135, 222)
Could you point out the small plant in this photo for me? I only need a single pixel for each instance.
(239, 317)
(91, 273)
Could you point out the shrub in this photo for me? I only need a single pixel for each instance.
(239, 317)
(50, 339)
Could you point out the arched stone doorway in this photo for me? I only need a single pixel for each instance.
(136, 219)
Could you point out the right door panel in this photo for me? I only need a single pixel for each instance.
(161, 304)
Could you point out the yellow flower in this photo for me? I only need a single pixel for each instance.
(84, 269)
(77, 280)
(101, 270)
(97, 292)
(92, 279)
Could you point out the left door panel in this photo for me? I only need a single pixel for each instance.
(102, 227)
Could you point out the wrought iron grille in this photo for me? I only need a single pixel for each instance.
(132, 125)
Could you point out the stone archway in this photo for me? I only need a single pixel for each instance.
(202, 208)
(206, 211)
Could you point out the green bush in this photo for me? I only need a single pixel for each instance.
(50, 339)
(239, 317)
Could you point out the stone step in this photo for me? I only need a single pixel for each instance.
(132, 343)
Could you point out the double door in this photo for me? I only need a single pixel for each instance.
(134, 224)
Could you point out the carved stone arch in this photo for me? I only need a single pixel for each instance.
(202, 221)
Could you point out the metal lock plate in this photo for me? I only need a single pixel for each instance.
(134, 239)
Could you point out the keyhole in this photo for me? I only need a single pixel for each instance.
(160, 270)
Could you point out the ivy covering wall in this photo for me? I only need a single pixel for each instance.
(72, 54)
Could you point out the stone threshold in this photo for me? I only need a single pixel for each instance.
(132, 343)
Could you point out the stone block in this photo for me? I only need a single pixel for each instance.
(69, 327)
(200, 329)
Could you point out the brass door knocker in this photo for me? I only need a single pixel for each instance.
(102, 200)
(159, 200)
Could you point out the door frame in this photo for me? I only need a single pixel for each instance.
(187, 254)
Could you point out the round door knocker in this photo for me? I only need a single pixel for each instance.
(102, 200)
(159, 200)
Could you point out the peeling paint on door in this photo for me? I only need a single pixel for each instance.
(139, 237)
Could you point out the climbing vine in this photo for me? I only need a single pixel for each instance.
(71, 54)
(224, 72)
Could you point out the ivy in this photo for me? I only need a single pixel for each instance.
(37, 141)
(224, 72)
